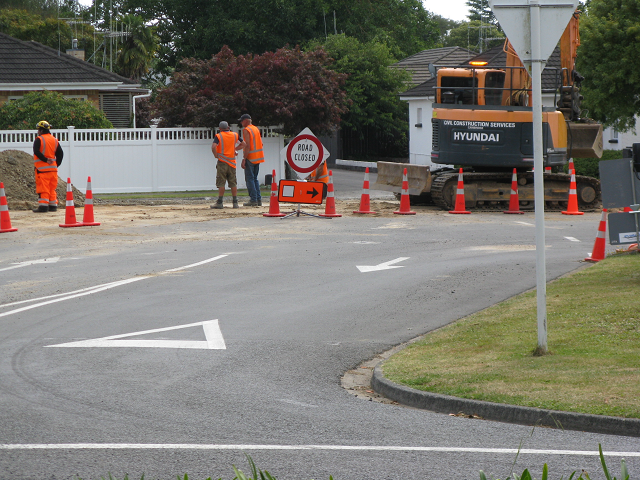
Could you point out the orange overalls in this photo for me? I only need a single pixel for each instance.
(47, 173)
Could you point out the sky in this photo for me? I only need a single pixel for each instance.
(453, 9)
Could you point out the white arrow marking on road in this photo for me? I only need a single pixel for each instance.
(382, 266)
(572, 239)
(31, 262)
(212, 333)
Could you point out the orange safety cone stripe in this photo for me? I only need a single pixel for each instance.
(330, 208)
(405, 208)
(274, 204)
(365, 200)
(5, 220)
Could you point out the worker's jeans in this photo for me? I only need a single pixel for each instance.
(251, 178)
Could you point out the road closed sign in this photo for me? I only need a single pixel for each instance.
(305, 152)
(293, 191)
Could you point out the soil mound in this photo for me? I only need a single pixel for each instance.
(16, 172)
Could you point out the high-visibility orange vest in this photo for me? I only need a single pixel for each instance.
(251, 135)
(48, 147)
(226, 148)
(320, 174)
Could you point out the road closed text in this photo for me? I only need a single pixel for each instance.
(305, 152)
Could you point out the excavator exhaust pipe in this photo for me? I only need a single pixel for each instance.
(584, 140)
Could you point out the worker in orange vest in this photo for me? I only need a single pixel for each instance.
(253, 157)
(320, 174)
(47, 157)
(224, 147)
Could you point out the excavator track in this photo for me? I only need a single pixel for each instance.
(491, 192)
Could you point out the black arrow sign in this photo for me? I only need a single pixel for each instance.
(313, 193)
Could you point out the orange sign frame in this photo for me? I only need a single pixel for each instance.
(293, 191)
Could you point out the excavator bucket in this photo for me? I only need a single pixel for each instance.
(390, 177)
(584, 140)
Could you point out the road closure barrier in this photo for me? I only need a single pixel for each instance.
(274, 204)
(460, 205)
(87, 216)
(365, 200)
(514, 199)
(5, 221)
(405, 204)
(330, 207)
(600, 243)
(70, 211)
(572, 208)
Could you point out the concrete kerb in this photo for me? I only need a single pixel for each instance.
(502, 413)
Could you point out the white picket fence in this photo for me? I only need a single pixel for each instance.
(143, 159)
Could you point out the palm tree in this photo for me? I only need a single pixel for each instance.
(138, 48)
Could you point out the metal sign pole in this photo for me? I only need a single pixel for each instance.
(536, 84)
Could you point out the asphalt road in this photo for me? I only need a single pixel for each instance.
(294, 312)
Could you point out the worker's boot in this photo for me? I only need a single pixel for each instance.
(235, 202)
(218, 204)
(53, 208)
(41, 209)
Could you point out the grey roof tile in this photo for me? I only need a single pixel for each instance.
(32, 62)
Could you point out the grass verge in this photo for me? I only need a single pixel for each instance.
(593, 319)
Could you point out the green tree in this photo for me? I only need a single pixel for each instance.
(198, 29)
(372, 88)
(137, 52)
(47, 30)
(607, 58)
(288, 87)
(480, 11)
(474, 36)
(23, 114)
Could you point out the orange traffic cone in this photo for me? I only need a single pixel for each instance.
(330, 208)
(5, 221)
(514, 200)
(274, 204)
(547, 169)
(70, 212)
(460, 207)
(405, 208)
(627, 209)
(365, 201)
(572, 168)
(572, 208)
(598, 246)
(87, 217)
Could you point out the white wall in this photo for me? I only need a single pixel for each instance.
(143, 159)
(624, 140)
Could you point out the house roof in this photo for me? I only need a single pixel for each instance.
(31, 65)
(495, 57)
(418, 64)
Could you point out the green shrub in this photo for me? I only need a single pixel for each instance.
(24, 113)
(590, 166)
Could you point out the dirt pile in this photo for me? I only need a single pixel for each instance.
(16, 172)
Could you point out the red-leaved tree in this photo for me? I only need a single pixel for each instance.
(288, 87)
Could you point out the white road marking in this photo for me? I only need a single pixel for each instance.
(212, 333)
(242, 447)
(97, 289)
(31, 262)
(382, 266)
(526, 223)
(89, 290)
(572, 239)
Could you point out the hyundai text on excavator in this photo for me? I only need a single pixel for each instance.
(482, 122)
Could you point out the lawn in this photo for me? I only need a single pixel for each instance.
(593, 319)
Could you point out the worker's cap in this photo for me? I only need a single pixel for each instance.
(224, 126)
(246, 116)
(43, 124)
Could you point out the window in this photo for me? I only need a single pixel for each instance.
(419, 117)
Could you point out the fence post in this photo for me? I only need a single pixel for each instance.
(70, 132)
(154, 158)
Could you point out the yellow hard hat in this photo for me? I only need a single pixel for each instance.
(44, 124)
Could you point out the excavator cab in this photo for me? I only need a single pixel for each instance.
(463, 86)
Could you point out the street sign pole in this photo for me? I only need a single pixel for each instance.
(522, 21)
(538, 162)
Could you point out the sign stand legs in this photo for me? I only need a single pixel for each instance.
(298, 212)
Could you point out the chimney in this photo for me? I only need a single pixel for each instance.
(75, 51)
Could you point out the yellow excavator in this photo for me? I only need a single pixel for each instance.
(482, 122)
